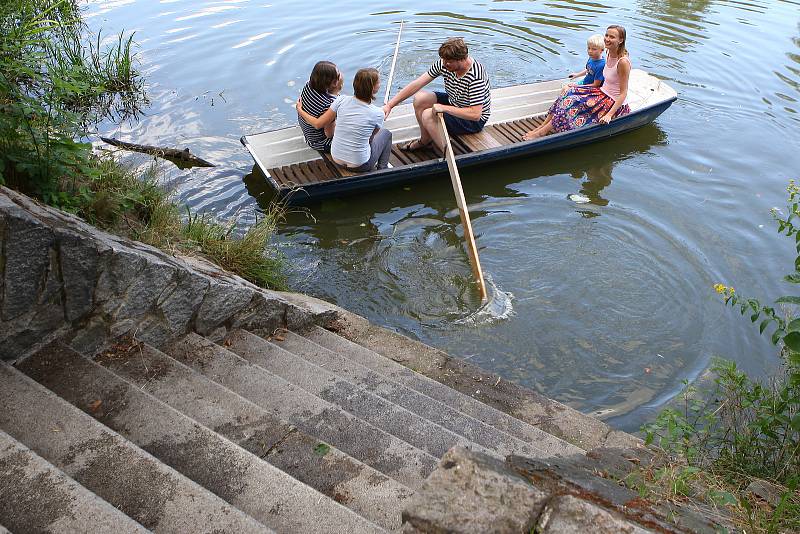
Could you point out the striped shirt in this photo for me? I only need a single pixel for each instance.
(472, 89)
(315, 104)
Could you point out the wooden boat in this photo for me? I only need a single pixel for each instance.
(300, 174)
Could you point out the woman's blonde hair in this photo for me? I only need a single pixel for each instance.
(621, 51)
(596, 41)
(364, 84)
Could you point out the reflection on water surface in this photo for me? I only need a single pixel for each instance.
(612, 300)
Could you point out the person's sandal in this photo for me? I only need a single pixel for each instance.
(409, 147)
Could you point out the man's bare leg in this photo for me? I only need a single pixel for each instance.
(432, 129)
(423, 100)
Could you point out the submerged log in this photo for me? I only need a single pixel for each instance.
(173, 154)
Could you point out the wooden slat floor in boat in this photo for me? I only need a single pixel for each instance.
(322, 169)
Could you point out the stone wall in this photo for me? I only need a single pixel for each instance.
(63, 278)
(471, 493)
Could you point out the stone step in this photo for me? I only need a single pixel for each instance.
(36, 496)
(375, 410)
(103, 462)
(361, 488)
(470, 428)
(376, 448)
(545, 442)
(242, 479)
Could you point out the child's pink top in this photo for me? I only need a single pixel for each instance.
(611, 84)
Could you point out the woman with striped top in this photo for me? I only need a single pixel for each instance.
(317, 96)
(466, 102)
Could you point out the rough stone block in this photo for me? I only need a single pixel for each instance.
(471, 493)
(61, 276)
(566, 514)
(80, 262)
(221, 302)
(766, 491)
(302, 308)
(262, 316)
(26, 251)
(154, 330)
(120, 268)
(178, 305)
(91, 337)
(142, 295)
(52, 285)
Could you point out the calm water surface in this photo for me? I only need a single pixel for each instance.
(612, 300)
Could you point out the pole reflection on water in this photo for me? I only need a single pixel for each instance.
(601, 290)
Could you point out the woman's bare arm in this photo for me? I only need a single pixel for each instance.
(317, 122)
(624, 71)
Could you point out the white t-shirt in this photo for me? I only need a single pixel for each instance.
(355, 122)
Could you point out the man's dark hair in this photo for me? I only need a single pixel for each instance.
(454, 49)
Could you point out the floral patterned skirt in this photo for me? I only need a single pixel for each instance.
(581, 105)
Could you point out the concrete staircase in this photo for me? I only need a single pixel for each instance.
(299, 432)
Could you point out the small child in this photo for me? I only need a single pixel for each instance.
(593, 76)
(594, 66)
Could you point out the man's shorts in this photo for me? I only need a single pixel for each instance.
(457, 125)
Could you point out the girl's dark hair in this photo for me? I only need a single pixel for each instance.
(622, 51)
(364, 84)
(323, 76)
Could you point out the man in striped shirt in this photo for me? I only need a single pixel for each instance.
(466, 104)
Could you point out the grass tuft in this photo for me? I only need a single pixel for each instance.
(118, 200)
(244, 256)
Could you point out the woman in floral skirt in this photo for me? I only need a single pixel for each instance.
(583, 104)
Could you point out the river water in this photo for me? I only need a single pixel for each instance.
(612, 304)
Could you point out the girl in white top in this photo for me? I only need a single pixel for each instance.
(360, 143)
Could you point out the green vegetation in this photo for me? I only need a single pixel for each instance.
(322, 449)
(136, 207)
(53, 90)
(741, 430)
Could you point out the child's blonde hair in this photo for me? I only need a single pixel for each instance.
(596, 41)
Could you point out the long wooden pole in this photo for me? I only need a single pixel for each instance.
(394, 61)
(472, 249)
